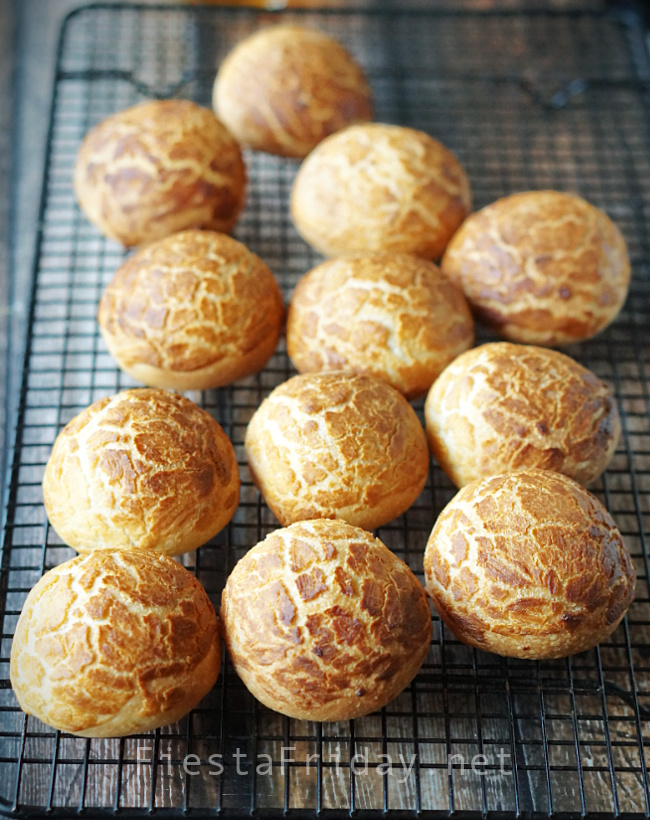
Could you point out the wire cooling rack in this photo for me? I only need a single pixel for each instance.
(539, 100)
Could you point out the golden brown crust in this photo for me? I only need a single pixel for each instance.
(337, 445)
(285, 88)
(323, 622)
(113, 643)
(193, 311)
(392, 315)
(157, 168)
(541, 267)
(144, 469)
(375, 187)
(503, 407)
(529, 565)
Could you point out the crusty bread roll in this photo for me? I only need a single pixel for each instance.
(143, 469)
(337, 445)
(114, 643)
(285, 88)
(392, 315)
(503, 407)
(541, 267)
(530, 565)
(375, 187)
(323, 622)
(192, 311)
(157, 168)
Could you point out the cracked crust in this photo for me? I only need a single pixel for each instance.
(142, 469)
(286, 88)
(541, 267)
(110, 644)
(323, 622)
(376, 187)
(503, 407)
(528, 565)
(337, 445)
(392, 315)
(157, 168)
(193, 311)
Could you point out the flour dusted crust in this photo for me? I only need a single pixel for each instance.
(530, 565)
(285, 88)
(391, 315)
(541, 267)
(114, 643)
(323, 622)
(503, 407)
(157, 168)
(337, 445)
(142, 469)
(195, 310)
(375, 187)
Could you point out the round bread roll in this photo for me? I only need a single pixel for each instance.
(192, 311)
(541, 267)
(143, 469)
(158, 168)
(337, 445)
(504, 407)
(392, 315)
(376, 187)
(529, 565)
(114, 643)
(285, 88)
(323, 622)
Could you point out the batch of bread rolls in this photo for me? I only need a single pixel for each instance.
(321, 620)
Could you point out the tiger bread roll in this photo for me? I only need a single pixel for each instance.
(143, 469)
(393, 315)
(503, 407)
(337, 445)
(285, 88)
(541, 267)
(195, 310)
(158, 168)
(529, 565)
(375, 187)
(323, 622)
(114, 643)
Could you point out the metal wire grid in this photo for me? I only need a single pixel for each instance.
(526, 101)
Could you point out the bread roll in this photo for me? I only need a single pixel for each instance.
(192, 311)
(114, 643)
(530, 565)
(323, 622)
(337, 445)
(541, 267)
(143, 469)
(157, 168)
(285, 88)
(376, 187)
(503, 407)
(392, 315)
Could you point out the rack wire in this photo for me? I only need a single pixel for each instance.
(525, 100)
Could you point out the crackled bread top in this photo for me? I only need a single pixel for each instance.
(502, 407)
(542, 267)
(195, 310)
(392, 315)
(157, 168)
(285, 88)
(323, 622)
(337, 445)
(113, 643)
(142, 469)
(528, 564)
(375, 187)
